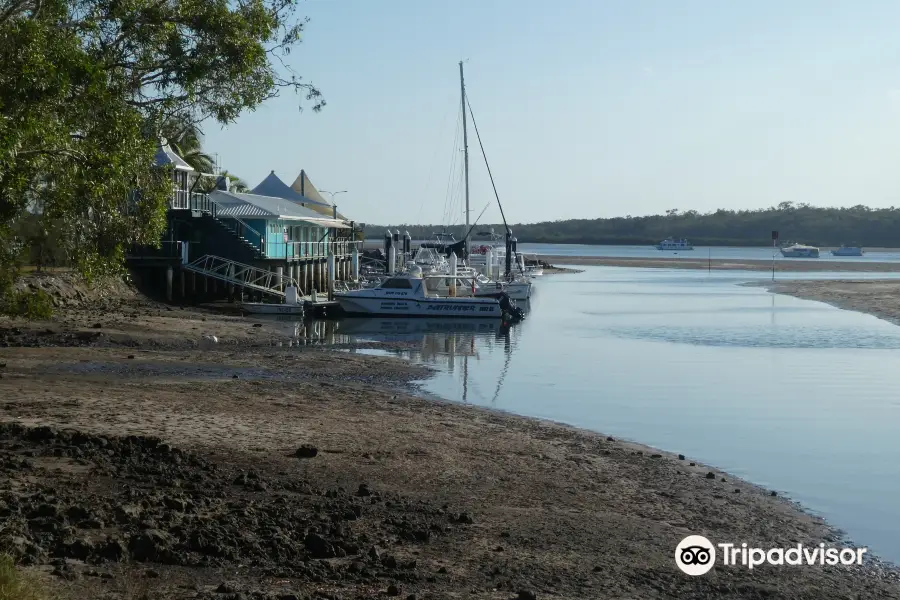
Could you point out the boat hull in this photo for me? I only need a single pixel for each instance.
(261, 308)
(478, 308)
(800, 254)
(515, 291)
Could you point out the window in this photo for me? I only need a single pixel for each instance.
(403, 284)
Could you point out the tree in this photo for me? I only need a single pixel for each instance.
(186, 141)
(87, 85)
(237, 184)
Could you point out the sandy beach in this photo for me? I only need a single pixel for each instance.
(137, 456)
(879, 298)
(725, 264)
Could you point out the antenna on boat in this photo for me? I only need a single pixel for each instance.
(462, 100)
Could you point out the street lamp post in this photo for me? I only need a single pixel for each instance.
(333, 194)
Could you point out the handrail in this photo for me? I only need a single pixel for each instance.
(239, 220)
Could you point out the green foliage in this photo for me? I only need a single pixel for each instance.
(86, 88)
(186, 141)
(800, 223)
(14, 585)
(30, 304)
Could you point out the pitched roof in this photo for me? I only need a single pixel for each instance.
(305, 187)
(275, 187)
(166, 156)
(235, 204)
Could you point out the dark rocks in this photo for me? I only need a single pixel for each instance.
(610, 439)
(737, 491)
(464, 518)
(131, 357)
(681, 457)
(526, 595)
(306, 451)
(112, 550)
(374, 554)
(363, 490)
(97, 325)
(710, 475)
(656, 456)
(773, 493)
(693, 464)
(228, 587)
(318, 547)
(393, 590)
(79, 549)
(149, 545)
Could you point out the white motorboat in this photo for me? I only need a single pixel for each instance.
(848, 251)
(267, 308)
(800, 251)
(293, 305)
(516, 289)
(405, 295)
(670, 244)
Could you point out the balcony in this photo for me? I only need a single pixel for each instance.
(187, 200)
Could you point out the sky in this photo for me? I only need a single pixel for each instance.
(586, 108)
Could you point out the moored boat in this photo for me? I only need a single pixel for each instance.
(405, 295)
(800, 251)
(848, 251)
(672, 244)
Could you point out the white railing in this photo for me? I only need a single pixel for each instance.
(339, 248)
(246, 276)
(187, 200)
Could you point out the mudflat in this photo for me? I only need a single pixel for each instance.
(666, 262)
(879, 298)
(141, 459)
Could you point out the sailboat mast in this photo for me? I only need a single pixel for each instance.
(462, 101)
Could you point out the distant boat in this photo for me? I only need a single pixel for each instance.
(800, 251)
(670, 244)
(848, 251)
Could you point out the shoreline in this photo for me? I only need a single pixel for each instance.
(718, 264)
(879, 298)
(405, 494)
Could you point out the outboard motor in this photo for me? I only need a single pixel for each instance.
(509, 308)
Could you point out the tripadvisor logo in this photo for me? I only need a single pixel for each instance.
(696, 555)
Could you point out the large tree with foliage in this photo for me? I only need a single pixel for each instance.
(86, 87)
(186, 141)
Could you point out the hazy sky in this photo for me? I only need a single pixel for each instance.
(587, 108)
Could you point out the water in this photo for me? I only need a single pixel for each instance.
(699, 252)
(790, 394)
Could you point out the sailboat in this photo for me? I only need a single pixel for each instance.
(490, 282)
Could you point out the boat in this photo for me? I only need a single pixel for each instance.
(800, 251)
(672, 244)
(269, 308)
(405, 295)
(533, 266)
(847, 251)
(292, 305)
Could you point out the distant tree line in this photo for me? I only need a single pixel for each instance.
(795, 222)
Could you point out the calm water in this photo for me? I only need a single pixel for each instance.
(794, 395)
(700, 252)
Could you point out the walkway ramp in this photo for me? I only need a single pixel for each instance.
(239, 274)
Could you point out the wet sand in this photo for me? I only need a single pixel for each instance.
(390, 494)
(781, 265)
(879, 298)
